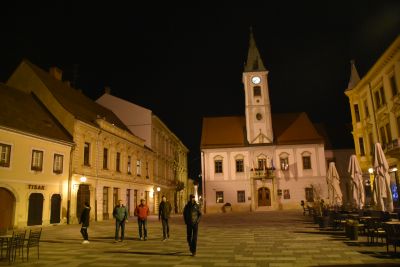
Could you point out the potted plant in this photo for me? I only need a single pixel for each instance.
(227, 207)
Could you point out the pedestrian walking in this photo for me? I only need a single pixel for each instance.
(120, 214)
(164, 212)
(142, 211)
(192, 215)
(84, 220)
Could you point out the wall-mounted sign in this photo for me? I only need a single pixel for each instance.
(36, 186)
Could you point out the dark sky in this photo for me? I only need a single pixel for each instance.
(187, 63)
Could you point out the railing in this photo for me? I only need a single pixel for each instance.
(263, 173)
(393, 145)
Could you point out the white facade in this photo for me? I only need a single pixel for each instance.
(295, 179)
(254, 166)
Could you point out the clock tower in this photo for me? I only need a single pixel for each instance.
(258, 108)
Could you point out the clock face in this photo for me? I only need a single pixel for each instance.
(256, 80)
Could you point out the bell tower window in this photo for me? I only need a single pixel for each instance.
(257, 91)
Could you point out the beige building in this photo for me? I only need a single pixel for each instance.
(375, 110)
(108, 162)
(34, 162)
(261, 161)
(170, 165)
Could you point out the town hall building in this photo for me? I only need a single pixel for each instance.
(261, 161)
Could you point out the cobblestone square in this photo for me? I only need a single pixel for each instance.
(284, 238)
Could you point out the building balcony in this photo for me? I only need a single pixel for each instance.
(268, 173)
(393, 148)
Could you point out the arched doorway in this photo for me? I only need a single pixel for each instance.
(35, 210)
(264, 197)
(83, 195)
(7, 210)
(55, 208)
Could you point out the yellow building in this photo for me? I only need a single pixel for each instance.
(170, 165)
(34, 162)
(108, 162)
(375, 109)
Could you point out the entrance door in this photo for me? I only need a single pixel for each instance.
(55, 208)
(264, 197)
(7, 201)
(83, 195)
(35, 210)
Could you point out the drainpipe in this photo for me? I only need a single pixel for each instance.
(203, 177)
(70, 184)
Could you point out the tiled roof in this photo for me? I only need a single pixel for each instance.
(82, 107)
(24, 112)
(288, 128)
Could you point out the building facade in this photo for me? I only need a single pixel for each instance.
(108, 162)
(34, 162)
(375, 111)
(261, 161)
(170, 164)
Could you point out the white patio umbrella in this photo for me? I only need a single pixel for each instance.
(357, 182)
(334, 192)
(382, 195)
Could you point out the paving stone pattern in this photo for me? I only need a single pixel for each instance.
(284, 238)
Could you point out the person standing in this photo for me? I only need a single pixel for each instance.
(142, 211)
(164, 212)
(192, 215)
(120, 214)
(84, 220)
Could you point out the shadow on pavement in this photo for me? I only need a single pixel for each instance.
(178, 253)
(363, 264)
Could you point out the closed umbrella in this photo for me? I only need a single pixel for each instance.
(382, 195)
(357, 182)
(334, 192)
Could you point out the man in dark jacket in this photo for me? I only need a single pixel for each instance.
(192, 214)
(120, 214)
(164, 212)
(84, 220)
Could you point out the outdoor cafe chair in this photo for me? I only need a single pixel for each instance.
(33, 241)
(16, 243)
(392, 235)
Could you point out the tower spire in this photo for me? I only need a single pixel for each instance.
(354, 77)
(254, 61)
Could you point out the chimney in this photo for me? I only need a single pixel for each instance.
(107, 90)
(56, 73)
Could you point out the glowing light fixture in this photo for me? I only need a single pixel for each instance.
(371, 171)
(158, 189)
(83, 179)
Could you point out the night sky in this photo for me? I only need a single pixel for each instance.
(187, 63)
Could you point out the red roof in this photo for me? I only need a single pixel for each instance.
(288, 129)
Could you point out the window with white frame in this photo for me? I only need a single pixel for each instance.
(138, 167)
(306, 160)
(219, 195)
(218, 167)
(284, 161)
(37, 160)
(241, 196)
(239, 159)
(129, 165)
(5, 155)
(58, 163)
(262, 163)
(118, 162)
